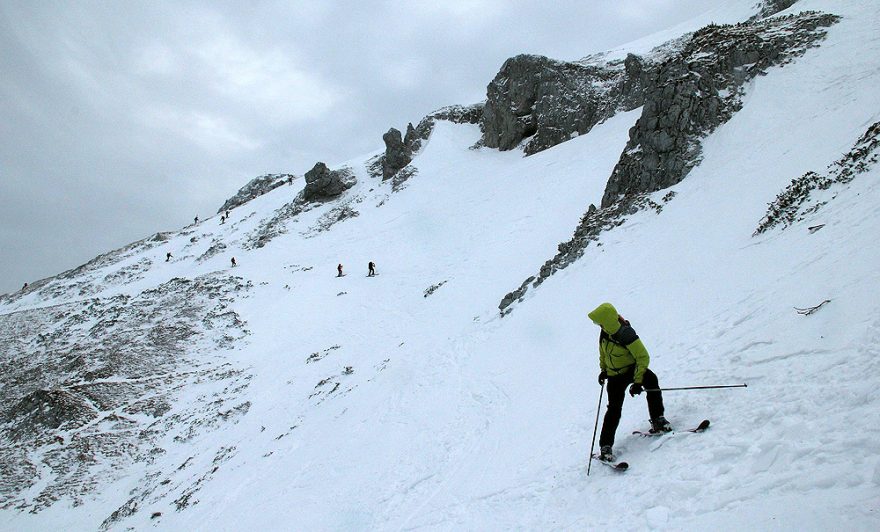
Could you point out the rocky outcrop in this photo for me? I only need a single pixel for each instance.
(699, 89)
(399, 181)
(90, 387)
(256, 187)
(547, 101)
(812, 191)
(44, 411)
(399, 152)
(457, 114)
(688, 95)
(592, 224)
(323, 184)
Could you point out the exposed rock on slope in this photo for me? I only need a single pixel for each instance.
(790, 205)
(592, 224)
(457, 114)
(399, 152)
(89, 387)
(256, 187)
(551, 101)
(322, 184)
(701, 88)
(83, 281)
(689, 95)
(768, 8)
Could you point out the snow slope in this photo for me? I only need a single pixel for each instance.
(452, 417)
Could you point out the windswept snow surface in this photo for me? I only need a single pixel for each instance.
(454, 418)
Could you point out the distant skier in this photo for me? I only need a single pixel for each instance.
(196, 220)
(222, 220)
(623, 360)
(372, 269)
(234, 264)
(24, 287)
(167, 256)
(339, 271)
(289, 180)
(227, 215)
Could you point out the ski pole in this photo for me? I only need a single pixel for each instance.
(596, 426)
(743, 385)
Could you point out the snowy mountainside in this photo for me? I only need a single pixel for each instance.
(188, 394)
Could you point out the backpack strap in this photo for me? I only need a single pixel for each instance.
(624, 336)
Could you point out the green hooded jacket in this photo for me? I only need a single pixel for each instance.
(619, 346)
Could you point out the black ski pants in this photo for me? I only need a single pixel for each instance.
(616, 387)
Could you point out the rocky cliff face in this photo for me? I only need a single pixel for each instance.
(540, 102)
(695, 89)
(543, 102)
(694, 92)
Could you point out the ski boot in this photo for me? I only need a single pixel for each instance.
(660, 425)
(605, 453)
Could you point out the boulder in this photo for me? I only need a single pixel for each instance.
(323, 184)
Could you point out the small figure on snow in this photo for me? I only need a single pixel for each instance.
(227, 215)
(624, 360)
(222, 220)
(196, 220)
(372, 269)
(289, 180)
(168, 256)
(234, 264)
(24, 287)
(339, 270)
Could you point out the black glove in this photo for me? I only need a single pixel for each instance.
(602, 377)
(636, 389)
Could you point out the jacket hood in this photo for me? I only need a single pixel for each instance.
(605, 316)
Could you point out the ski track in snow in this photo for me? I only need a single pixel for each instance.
(451, 417)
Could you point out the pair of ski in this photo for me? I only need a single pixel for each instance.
(623, 466)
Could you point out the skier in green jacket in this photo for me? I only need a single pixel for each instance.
(623, 361)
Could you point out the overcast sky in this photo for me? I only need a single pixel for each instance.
(120, 119)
